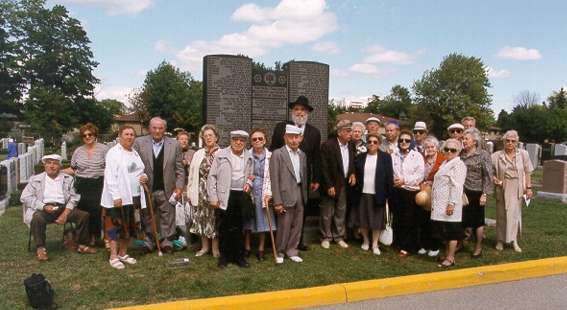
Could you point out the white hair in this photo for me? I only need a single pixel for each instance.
(475, 135)
(158, 119)
(510, 134)
(359, 124)
(457, 143)
(431, 140)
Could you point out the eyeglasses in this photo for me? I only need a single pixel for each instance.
(419, 132)
(88, 134)
(372, 142)
(450, 150)
(405, 140)
(510, 141)
(257, 139)
(455, 130)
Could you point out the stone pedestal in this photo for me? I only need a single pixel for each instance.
(554, 180)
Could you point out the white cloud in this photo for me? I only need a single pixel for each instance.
(162, 46)
(119, 93)
(497, 74)
(115, 7)
(364, 68)
(519, 53)
(379, 54)
(326, 47)
(291, 22)
(339, 73)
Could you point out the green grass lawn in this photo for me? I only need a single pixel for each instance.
(88, 282)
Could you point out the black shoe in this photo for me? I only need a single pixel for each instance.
(246, 253)
(222, 263)
(260, 256)
(167, 249)
(303, 247)
(242, 263)
(476, 255)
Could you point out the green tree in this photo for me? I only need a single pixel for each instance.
(175, 96)
(558, 100)
(11, 81)
(459, 87)
(397, 103)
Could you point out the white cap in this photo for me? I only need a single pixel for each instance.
(456, 126)
(292, 130)
(373, 119)
(420, 126)
(51, 156)
(238, 134)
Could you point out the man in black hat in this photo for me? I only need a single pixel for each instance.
(300, 109)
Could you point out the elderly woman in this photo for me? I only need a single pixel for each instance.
(183, 140)
(228, 186)
(87, 165)
(261, 191)
(122, 194)
(433, 158)
(478, 184)
(374, 172)
(512, 180)
(358, 129)
(447, 200)
(203, 215)
(408, 173)
(181, 214)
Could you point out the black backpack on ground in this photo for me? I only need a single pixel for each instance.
(40, 293)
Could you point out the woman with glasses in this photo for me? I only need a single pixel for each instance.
(408, 170)
(87, 165)
(261, 192)
(478, 184)
(456, 131)
(447, 200)
(512, 180)
(374, 172)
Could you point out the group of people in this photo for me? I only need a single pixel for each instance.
(435, 193)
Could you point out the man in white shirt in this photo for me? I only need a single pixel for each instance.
(337, 171)
(50, 197)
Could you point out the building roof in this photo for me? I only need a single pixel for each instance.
(362, 117)
(130, 117)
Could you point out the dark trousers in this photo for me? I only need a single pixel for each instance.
(90, 190)
(40, 220)
(405, 220)
(426, 239)
(229, 221)
(165, 221)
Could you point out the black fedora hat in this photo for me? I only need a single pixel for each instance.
(301, 100)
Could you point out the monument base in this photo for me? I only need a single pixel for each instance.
(554, 196)
(3, 205)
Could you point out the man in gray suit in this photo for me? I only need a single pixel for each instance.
(288, 174)
(163, 162)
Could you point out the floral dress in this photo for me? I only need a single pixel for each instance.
(203, 214)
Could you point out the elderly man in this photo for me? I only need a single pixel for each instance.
(390, 144)
(456, 131)
(337, 169)
(310, 145)
(50, 197)
(373, 125)
(419, 135)
(288, 167)
(163, 161)
(227, 188)
(468, 122)
(358, 129)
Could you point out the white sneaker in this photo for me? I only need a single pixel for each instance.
(325, 244)
(433, 253)
(365, 246)
(342, 244)
(127, 259)
(296, 259)
(422, 251)
(279, 260)
(499, 246)
(116, 263)
(376, 251)
(516, 247)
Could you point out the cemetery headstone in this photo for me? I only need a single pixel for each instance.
(554, 180)
(534, 150)
(64, 150)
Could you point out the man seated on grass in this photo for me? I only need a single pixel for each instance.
(50, 197)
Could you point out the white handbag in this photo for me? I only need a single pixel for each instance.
(387, 235)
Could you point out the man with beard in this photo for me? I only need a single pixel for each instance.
(310, 145)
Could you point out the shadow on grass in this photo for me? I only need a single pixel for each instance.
(88, 282)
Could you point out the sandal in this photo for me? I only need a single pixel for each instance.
(201, 252)
(116, 263)
(446, 263)
(127, 259)
(83, 249)
(41, 254)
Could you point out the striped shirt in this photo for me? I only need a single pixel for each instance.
(89, 167)
(479, 171)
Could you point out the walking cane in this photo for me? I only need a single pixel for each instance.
(267, 213)
(154, 227)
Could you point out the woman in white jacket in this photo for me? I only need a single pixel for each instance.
(121, 195)
(447, 200)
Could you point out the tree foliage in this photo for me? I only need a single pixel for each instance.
(398, 104)
(459, 87)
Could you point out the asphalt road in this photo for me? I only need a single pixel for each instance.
(547, 293)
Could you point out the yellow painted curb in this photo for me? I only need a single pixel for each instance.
(373, 289)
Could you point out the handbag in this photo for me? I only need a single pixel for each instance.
(387, 235)
(39, 291)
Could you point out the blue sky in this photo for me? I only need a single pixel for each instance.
(369, 45)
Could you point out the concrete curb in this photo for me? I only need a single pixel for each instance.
(374, 289)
